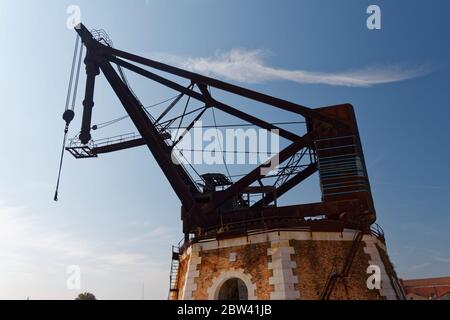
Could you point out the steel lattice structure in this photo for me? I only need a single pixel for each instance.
(330, 146)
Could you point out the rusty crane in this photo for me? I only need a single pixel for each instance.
(331, 146)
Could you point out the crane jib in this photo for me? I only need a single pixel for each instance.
(330, 146)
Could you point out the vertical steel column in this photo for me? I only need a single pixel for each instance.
(92, 70)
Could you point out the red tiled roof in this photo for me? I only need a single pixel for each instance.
(430, 287)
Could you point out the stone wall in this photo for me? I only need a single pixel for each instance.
(282, 265)
(316, 260)
(182, 272)
(250, 259)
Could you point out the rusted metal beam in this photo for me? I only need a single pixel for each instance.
(119, 146)
(247, 93)
(222, 196)
(180, 181)
(288, 185)
(204, 210)
(208, 101)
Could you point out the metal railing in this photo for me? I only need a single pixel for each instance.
(377, 231)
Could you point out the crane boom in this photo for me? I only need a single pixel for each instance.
(331, 142)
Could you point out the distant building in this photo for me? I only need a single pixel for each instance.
(427, 289)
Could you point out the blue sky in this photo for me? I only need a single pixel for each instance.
(117, 216)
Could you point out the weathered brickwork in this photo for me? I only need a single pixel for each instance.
(182, 272)
(317, 259)
(285, 265)
(251, 258)
(394, 282)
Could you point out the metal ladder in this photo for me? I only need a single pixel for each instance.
(334, 276)
(174, 266)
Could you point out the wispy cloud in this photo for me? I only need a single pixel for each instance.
(376, 160)
(20, 232)
(417, 267)
(415, 186)
(249, 66)
(35, 254)
(159, 234)
(441, 259)
(123, 259)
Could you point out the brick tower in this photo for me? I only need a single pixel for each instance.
(301, 263)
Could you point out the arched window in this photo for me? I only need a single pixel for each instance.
(233, 289)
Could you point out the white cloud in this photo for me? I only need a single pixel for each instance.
(249, 67)
(21, 232)
(418, 266)
(123, 258)
(161, 233)
(440, 259)
(158, 235)
(35, 254)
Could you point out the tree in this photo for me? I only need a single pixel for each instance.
(86, 296)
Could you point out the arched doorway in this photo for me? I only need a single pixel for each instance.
(233, 289)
